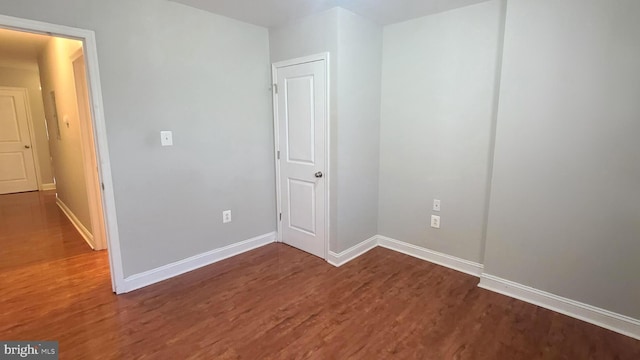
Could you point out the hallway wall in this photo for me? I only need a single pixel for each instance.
(56, 73)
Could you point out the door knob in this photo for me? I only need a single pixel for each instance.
(318, 174)
(27, 146)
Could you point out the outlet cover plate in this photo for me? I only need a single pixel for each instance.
(435, 221)
(436, 205)
(226, 216)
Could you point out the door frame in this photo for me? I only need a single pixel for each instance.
(89, 161)
(105, 184)
(327, 149)
(32, 133)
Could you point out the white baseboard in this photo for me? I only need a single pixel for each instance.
(352, 252)
(45, 187)
(604, 318)
(153, 276)
(452, 262)
(84, 232)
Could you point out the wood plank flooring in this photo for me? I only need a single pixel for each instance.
(271, 303)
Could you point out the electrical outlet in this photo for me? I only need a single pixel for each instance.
(226, 216)
(436, 205)
(166, 138)
(435, 221)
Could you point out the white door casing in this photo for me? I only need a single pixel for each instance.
(300, 114)
(90, 165)
(99, 126)
(17, 166)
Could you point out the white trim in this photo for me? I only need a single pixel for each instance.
(84, 232)
(619, 323)
(49, 186)
(156, 275)
(87, 146)
(100, 130)
(327, 129)
(352, 252)
(303, 60)
(452, 262)
(276, 145)
(604, 318)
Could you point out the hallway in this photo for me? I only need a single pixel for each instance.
(36, 235)
(47, 271)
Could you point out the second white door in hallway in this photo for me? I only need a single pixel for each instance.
(17, 166)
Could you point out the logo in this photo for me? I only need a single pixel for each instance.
(45, 350)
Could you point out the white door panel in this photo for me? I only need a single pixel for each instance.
(301, 196)
(17, 169)
(301, 120)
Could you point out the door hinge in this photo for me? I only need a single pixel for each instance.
(275, 88)
(278, 154)
(102, 185)
(280, 216)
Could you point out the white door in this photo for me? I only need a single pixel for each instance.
(301, 112)
(17, 169)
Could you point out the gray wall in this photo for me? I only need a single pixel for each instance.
(438, 94)
(308, 36)
(354, 44)
(565, 201)
(166, 66)
(358, 128)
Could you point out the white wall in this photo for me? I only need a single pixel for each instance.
(565, 199)
(354, 44)
(438, 93)
(358, 129)
(25, 75)
(166, 66)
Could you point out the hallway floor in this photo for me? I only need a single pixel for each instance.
(273, 302)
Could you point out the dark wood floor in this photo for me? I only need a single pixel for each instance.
(271, 303)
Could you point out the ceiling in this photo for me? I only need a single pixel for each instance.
(18, 45)
(273, 13)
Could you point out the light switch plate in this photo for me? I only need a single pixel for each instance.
(166, 138)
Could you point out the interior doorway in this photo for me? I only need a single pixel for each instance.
(301, 133)
(53, 69)
(73, 157)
